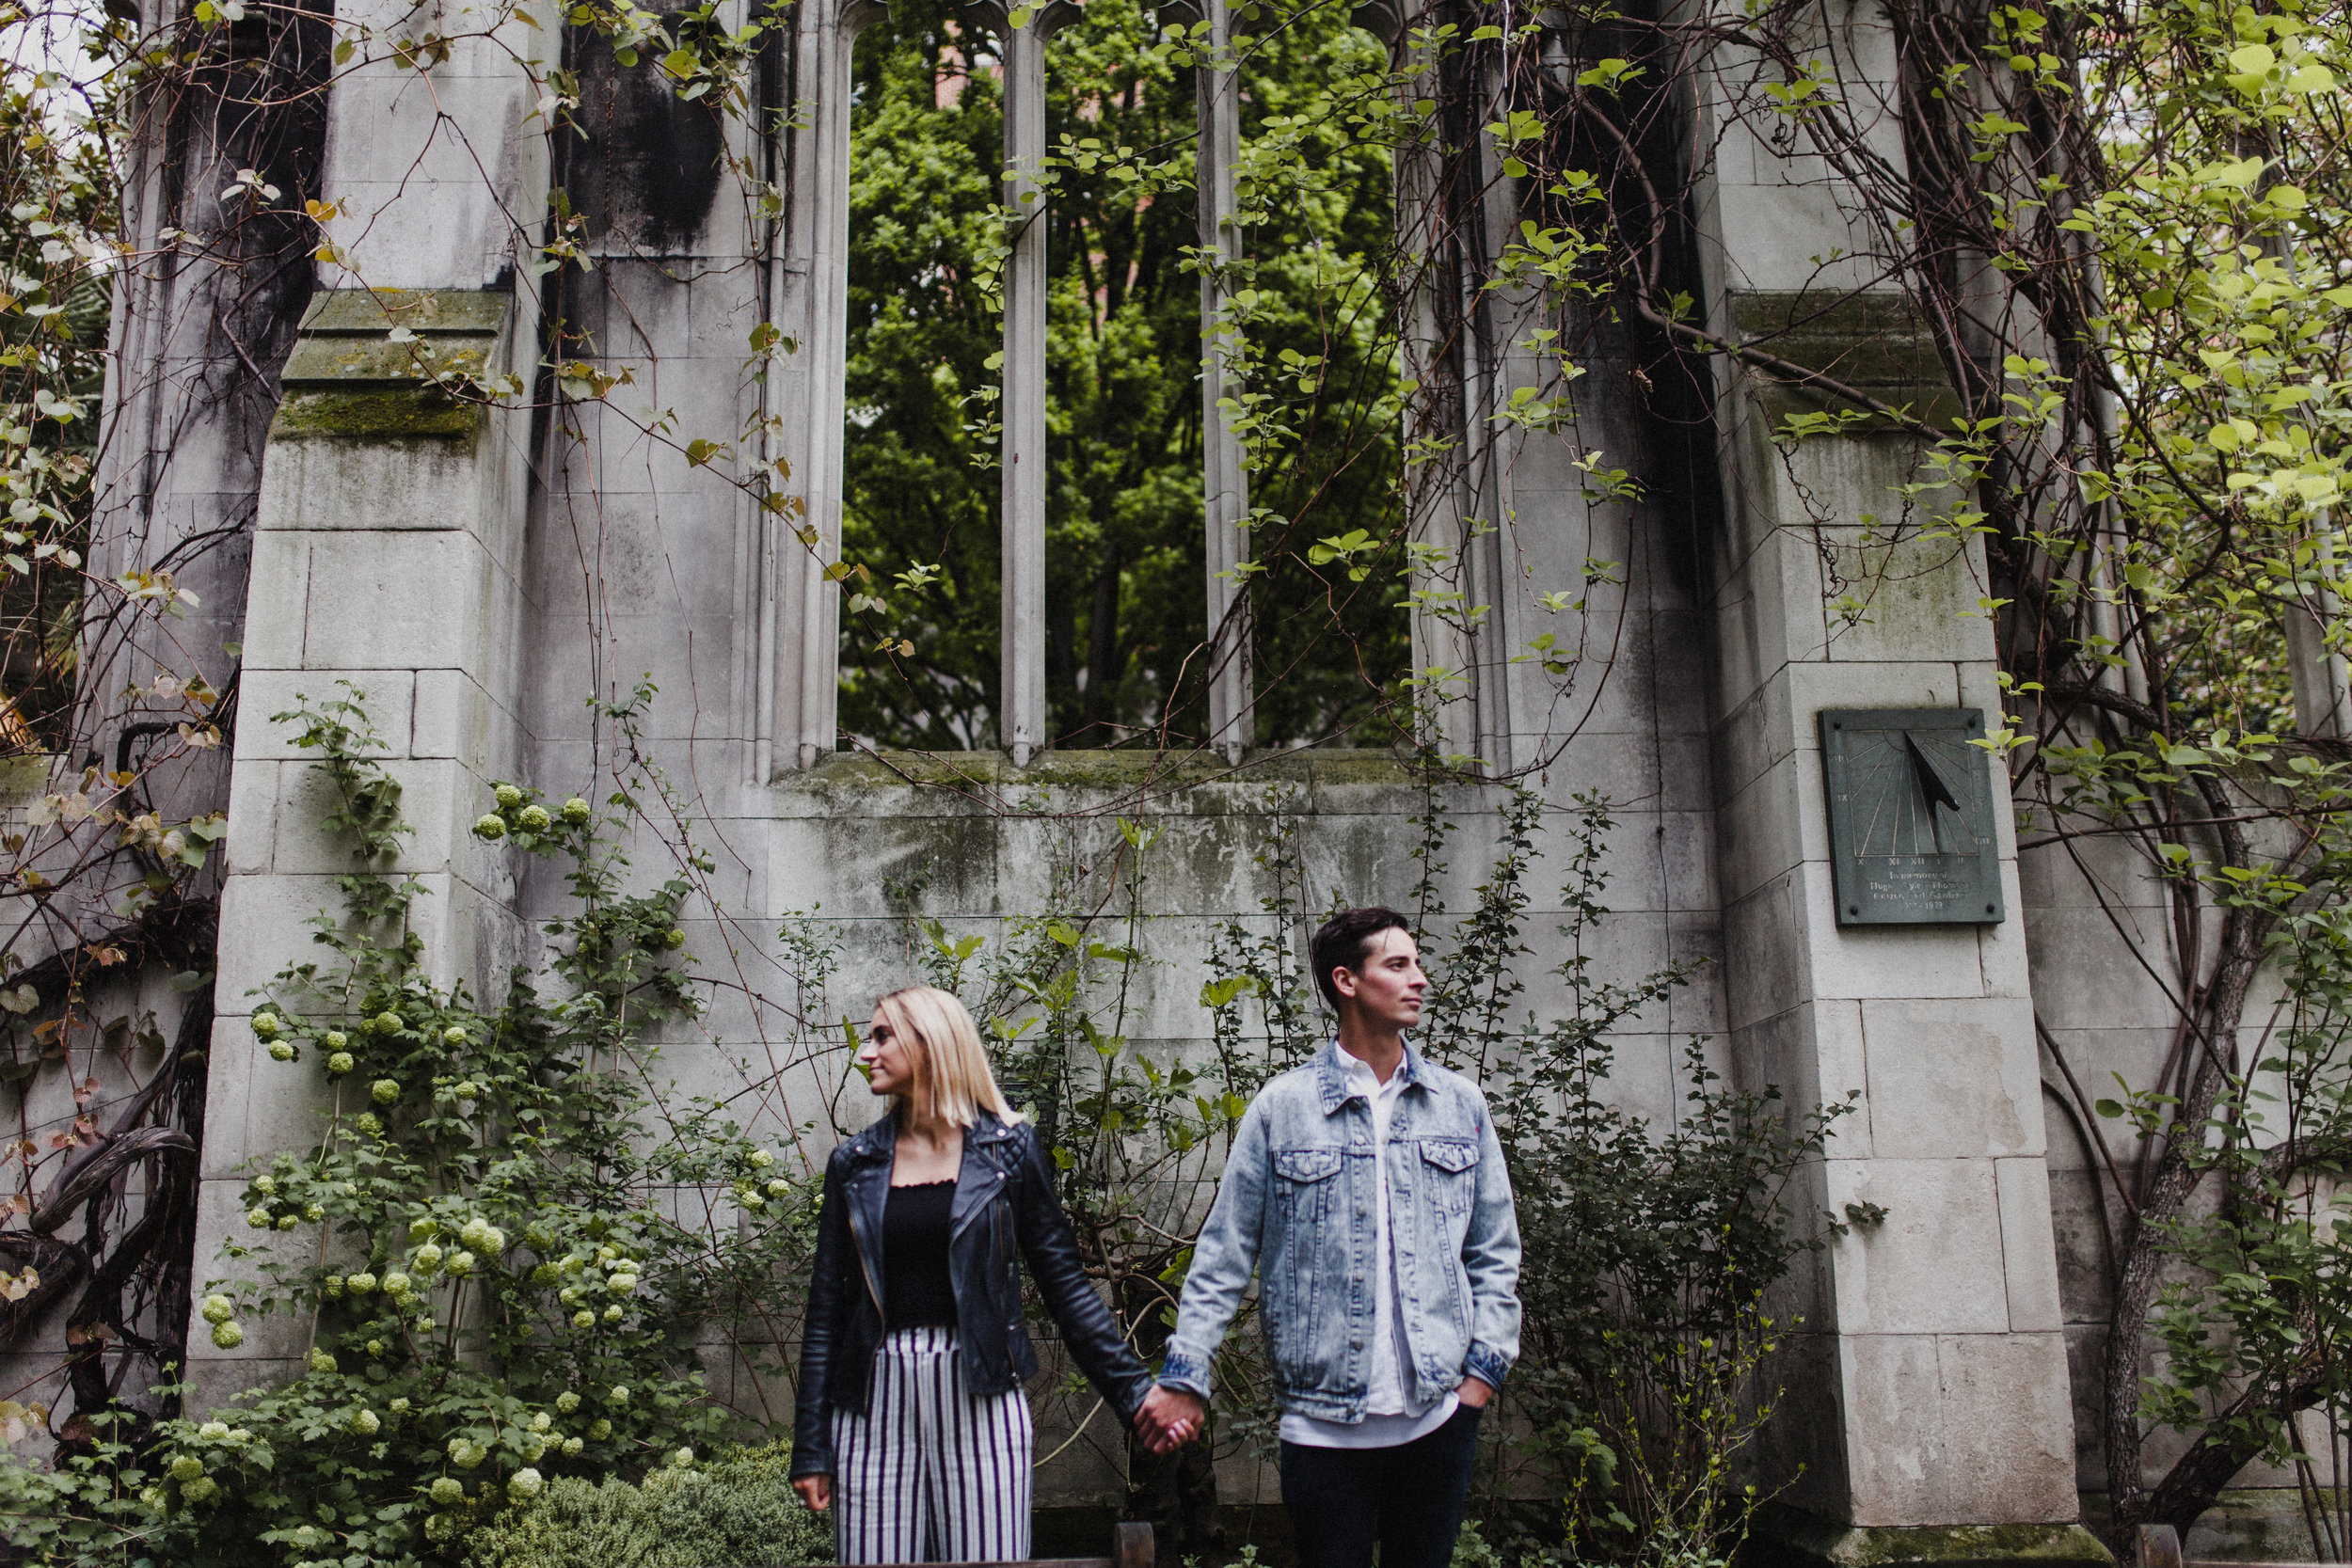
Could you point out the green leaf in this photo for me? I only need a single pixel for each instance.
(2252, 60)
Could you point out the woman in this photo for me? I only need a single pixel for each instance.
(913, 1424)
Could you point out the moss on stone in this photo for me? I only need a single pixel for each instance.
(377, 413)
(1313, 781)
(374, 311)
(336, 364)
(1975, 1544)
(1804, 1540)
(1363, 768)
(851, 769)
(1096, 769)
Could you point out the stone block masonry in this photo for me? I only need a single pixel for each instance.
(481, 570)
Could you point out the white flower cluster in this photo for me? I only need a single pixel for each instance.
(483, 1236)
(228, 1334)
(514, 814)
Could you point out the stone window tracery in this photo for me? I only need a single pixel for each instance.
(799, 619)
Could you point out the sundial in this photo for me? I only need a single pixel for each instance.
(1910, 816)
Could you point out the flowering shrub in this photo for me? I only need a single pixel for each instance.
(487, 1295)
(740, 1510)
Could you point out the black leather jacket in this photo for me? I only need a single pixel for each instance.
(1004, 1202)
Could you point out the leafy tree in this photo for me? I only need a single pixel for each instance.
(1127, 580)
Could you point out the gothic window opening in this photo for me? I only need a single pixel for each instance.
(1116, 603)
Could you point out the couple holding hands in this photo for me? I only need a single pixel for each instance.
(1364, 1190)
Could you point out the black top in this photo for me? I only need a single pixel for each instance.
(914, 1257)
(1007, 1185)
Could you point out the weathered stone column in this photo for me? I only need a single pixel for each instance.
(1927, 1390)
(389, 523)
(1020, 690)
(800, 608)
(1225, 482)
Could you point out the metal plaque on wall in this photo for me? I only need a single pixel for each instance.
(1911, 828)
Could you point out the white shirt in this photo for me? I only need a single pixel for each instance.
(1388, 1417)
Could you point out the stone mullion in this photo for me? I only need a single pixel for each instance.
(1225, 482)
(1484, 215)
(1021, 695)
(799, 629)
(1435, 501)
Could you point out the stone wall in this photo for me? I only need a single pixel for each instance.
(481, 572)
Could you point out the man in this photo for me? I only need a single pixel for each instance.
(1366, 1191)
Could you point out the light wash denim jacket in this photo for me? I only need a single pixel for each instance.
(1295, 1208)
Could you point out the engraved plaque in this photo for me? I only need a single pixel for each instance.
(1911, 816)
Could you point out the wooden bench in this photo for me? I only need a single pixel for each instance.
(1131, 1548)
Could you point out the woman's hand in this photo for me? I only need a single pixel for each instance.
(1474, 1393)
(1169, 1418)
(816, 1491)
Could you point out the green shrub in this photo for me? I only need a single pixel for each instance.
(495, 1293)
(740, 1513)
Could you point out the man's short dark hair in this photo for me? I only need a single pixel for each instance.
(1342, 941)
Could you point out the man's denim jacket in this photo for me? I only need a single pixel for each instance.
(1295, 1207)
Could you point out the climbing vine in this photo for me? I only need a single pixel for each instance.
(2116, 228)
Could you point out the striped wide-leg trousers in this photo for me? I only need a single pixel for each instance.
(931, 1473)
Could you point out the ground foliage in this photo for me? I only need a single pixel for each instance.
(737, 1508)
(488, 1288)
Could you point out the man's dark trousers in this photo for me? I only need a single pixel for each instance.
(1408, 1498)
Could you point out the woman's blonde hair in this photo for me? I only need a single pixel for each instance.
(952, 1060)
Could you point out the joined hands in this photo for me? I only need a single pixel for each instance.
(1169, 1418)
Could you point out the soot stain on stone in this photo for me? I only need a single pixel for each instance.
(648, 173)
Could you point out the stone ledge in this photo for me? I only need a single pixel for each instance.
(1870, 342)
(373, 414)
(2245, 1523)
(365, 311)
(349, 379)
(1785, 1538)
(341, 361)
(1117, 770)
